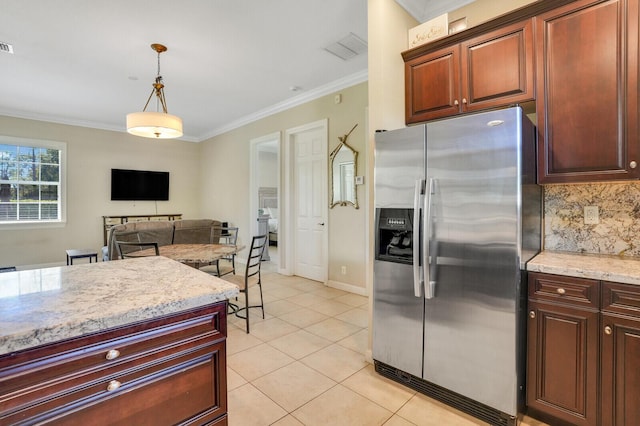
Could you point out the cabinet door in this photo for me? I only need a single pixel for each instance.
(620, 333)
(587, 101)
(620, 375)
(432, 85)
(497, 67)
(562, 363)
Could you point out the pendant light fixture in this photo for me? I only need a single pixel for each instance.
(159, 124)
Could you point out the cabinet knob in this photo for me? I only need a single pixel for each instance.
(113, 385)
(633, 164)
(608, 330)
(112, 354)
(456, 102)
(464, 100)
(532, 314)
(561, 291)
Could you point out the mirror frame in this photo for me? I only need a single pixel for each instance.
(334, 153)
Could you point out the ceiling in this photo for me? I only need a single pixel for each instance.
(229, 62)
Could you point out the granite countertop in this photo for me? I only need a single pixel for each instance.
(600, 267)
(47, 305)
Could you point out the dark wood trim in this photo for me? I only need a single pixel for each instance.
(517, 15)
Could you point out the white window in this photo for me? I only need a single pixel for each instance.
(31, 181)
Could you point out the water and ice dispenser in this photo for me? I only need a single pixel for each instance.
(394, 235)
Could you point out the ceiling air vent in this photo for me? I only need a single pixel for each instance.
(348, 47)
(6, 47)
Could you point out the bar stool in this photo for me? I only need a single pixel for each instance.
(80, 253)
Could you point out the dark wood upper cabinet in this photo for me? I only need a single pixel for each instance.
(489, 70)
(587, 100)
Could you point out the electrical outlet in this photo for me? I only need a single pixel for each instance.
(591, 215)
(343, 270)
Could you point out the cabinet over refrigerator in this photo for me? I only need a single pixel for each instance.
(458, 215)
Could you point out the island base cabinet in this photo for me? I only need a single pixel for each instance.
(165, 371)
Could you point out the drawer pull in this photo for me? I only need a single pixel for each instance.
(113, 385)
(561, 291)
(113, 354)
(532, 314)
(608, 330)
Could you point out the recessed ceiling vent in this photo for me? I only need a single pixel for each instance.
(348, 47)
(6, 48)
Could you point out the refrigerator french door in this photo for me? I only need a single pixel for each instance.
(448, 313)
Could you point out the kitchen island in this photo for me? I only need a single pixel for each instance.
(135, 341)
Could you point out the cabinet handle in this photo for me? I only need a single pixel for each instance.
(532, 314)
(112, 354)
(113, 385)
(633, 164)
(561, 291)
(608, 330)
(464, 100)
(456, 102)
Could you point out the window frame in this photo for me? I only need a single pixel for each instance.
(41, 143)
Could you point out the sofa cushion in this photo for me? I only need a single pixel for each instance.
(159, 231)
(195, 231)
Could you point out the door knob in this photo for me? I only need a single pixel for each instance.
(608, 330)
(633, 164)
(456, 102)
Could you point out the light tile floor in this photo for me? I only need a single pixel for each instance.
(304, 364)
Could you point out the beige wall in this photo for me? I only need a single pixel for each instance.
(224, 162)
(484, 10)
(91, 154)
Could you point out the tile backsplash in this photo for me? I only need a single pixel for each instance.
(618, 232)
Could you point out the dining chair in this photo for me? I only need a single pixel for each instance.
(227, 264)
(250, 279)
(128, 249)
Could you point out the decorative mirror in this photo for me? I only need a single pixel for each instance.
(343, 173)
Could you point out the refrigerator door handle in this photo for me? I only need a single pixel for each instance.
(429, 260)
(417, 271)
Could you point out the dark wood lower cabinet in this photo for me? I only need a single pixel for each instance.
(166, 371)
(563, 363)
(583, 365)
(620, 354)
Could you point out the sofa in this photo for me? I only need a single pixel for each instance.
(165, 232)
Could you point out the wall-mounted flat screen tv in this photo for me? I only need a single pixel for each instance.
(139, 185)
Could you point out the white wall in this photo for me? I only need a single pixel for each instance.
(225, 175)
(91, 154)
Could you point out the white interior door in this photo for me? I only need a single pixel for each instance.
(309, 201)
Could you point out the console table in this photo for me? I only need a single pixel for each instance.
(109, 221)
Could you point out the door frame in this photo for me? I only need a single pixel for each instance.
(286, 255)
(254, 147)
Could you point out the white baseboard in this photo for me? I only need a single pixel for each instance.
(347, 287)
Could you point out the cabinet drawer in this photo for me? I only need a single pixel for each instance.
(575, 291)
(621, 298)
(77, 368)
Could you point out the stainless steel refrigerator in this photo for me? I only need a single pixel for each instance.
(458, 215)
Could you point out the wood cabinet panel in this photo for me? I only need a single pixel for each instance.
(498, 68)
(556, 288)
(620, 375)
(490, 70)
(586, 55)
(171, 369)
(432, 85)
(562, 365)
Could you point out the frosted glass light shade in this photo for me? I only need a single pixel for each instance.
(158, 125)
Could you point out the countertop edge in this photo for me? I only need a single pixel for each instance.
(625, 270)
